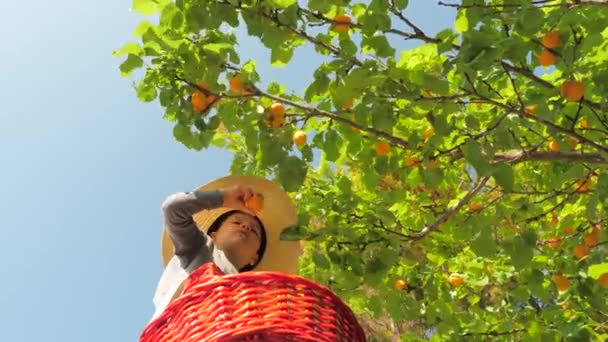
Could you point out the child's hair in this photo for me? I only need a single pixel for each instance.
(218, 223)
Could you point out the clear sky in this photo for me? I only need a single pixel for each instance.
(84, 168)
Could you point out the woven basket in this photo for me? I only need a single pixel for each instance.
(253, 306)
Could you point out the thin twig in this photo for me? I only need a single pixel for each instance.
(452, 211)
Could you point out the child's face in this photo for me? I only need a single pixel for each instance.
(239, 236)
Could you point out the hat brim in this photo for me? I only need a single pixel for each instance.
(278, 213)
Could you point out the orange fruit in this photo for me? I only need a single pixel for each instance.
(554, 145)
(426, 93)
(383, 148)
(236, 84)
(592, 238)
(603, 280)
(342, 22)
(276, 115)
(585, 124)
(255, 202)
(546, 58)
(551, 39)
(411, 161)
(428, 132)
(299, 138)
(210, 97)
(582, 185)
(400, 285)
(277, 109)
(554, 218)
(199, 101)
(531, 109)
(569, 230)
(572, 90)
(554, 242)
(560, 282)
(580, 251)
(475, 206)
(348, 104)
(455, 280)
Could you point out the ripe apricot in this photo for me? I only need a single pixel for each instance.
(199, 101)
(475, 206)
(383, 148)
(580, 251)
(400, 285)
(277, 109)
(546, 58)
(572, 90)
(455, 280)
(585, 124)
(299, 138)
(583, 185)
(343, 22)
(531, 109)
(428, 132)
(569, 230)
(276, 115)
(560, 282)
(592, 238)
(210, 96)
(236, 84)
(411, 161)
(551, 39)
(554, 218)
(348, 104)
(554, 242)
(255, 202)
(554, 145)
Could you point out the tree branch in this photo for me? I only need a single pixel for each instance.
(518, 156)
(313, 111)
(452, 211)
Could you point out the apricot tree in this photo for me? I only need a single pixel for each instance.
(455, 190)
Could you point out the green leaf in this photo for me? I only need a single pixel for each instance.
(291, 173)
(146, 91)
(462, 22)
(379, 45)
(520, 252)
(282, 3)
(145, 7)
(484, 245)
(130, 64)
(595, 271)
(281, 55)
(331, 145)
(183, 134)
(400, 4)
(503, 174)
(129, 48)
(294, 233)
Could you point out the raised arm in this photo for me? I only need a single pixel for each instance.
(177, 212)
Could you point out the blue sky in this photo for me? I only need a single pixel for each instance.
(85, 167)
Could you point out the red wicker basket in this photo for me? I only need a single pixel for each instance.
(253, 306)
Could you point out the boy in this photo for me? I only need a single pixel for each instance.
(213, 224)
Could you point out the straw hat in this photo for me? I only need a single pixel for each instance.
(278, 213)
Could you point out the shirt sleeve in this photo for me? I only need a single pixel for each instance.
(178, 210)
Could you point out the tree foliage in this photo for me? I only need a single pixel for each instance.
(455, 190)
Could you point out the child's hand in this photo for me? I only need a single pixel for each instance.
(236, 198)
